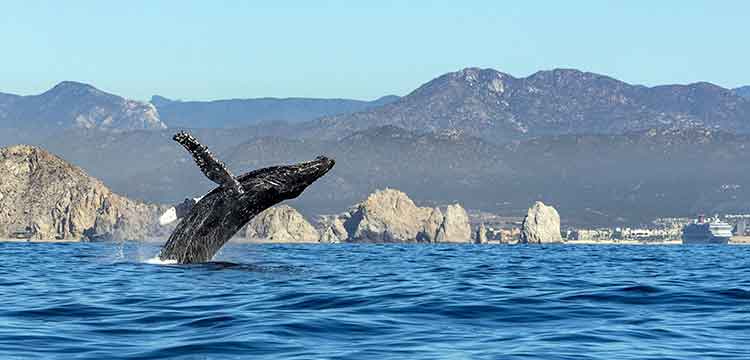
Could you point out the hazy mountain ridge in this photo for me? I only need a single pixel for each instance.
(591, 178)
(638, 175)
(743, 91)
(499, 107)
(373, 159)
(235, 113)
(600, 179)
(76, 105)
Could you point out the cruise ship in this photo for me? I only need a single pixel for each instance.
(713, 231)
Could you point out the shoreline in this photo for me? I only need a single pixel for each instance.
(738, 240)
(623, 242)
(37, 241)
(6, 240)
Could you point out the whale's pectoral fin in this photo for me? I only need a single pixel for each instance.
(214, 169)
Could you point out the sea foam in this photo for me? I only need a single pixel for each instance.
(158, 261)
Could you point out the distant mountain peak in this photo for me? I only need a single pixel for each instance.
(386, 99)
(73, 87)
(71, 83)
(158, 100)
(72, 104)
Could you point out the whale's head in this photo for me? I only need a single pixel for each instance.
(287, 181)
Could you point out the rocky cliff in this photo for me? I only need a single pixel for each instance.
(391, 216)
(56, 200)
(455, 226)
(541, 225)
(332, 228)
(386, 216)
(235, 113)
(480, 237)
(281, 224)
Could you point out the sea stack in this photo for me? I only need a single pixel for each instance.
(333, 230)
(391, 216)
(281, 224)
(541, 225)
(481, 235)
(455, 226)
(386, 216)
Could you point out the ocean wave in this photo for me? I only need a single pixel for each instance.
(93, 301)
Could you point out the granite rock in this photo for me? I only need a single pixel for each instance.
(281, 224)
(541, 225)
(58, 201)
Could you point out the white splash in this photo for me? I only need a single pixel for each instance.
(158, 261)
(168, 216)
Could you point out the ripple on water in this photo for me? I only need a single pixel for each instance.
(375, 301)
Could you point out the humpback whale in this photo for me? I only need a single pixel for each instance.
(218, 215)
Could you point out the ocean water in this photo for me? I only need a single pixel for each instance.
(395, 301)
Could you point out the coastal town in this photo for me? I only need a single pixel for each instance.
(666, 230)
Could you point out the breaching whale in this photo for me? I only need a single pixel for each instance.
(218, 215)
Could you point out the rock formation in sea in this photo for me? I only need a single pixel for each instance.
(332, 229)
(391, 216)
(455, 226)
(386, 216)
(481, 235)
(281, 224)
(541, 225)
(431, 227)
(56, 200)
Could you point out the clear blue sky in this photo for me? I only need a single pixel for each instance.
(357, 49)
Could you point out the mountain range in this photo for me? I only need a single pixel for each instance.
(499, 107)
(480, 102)
(76, 105)
(743, 91)
(601, 150)
(235, 113)
(592, 179)
(71, 104)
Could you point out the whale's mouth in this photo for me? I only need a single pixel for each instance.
(302, 175)
(322, 165)
(309, 171)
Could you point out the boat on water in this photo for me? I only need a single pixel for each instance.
(711, 231)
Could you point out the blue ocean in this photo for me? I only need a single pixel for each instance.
(390, 301)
